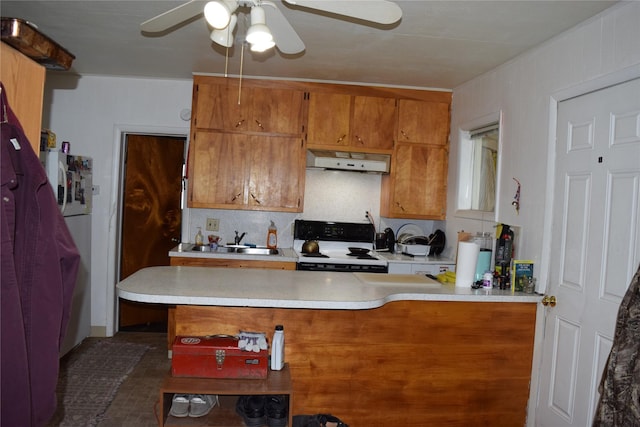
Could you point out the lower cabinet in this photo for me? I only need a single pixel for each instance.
(228, 391)
(419, 268)
(231, 263)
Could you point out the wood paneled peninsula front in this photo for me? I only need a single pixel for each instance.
(373, 349)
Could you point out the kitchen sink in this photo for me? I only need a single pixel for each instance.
(258, 251)
(224, 249)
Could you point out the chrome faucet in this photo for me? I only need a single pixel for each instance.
(238, 239)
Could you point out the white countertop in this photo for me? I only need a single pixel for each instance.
(239, 287)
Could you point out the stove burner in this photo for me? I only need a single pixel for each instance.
(315, 255)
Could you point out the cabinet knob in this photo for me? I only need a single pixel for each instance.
(339, 140)
(359, 140)
(404, 134)
(239, 123)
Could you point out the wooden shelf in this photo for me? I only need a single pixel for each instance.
(228, 391)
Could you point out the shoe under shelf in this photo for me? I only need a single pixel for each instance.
(228, 391)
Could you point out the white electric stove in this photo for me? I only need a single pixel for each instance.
(343, 246)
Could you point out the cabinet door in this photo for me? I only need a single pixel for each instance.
(227, 106)
(423, 122)
(276, 173)
(217, 106)
(373, 123)
(328, 123)
(276, 110)
(218, 170)
(418, 183)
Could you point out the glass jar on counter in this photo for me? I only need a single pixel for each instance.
(530, 285)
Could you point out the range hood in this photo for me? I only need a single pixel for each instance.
(346, 161)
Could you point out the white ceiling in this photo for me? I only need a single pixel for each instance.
(437, 44)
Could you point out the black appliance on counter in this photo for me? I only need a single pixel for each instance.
(342, 246)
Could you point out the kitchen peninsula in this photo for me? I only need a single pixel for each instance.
(374, 349)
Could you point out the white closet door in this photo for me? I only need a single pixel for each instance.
(595, 248)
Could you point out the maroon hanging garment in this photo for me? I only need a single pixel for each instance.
(39, 265)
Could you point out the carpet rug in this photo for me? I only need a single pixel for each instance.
(89, 380)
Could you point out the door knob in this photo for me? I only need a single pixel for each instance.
(549, 300)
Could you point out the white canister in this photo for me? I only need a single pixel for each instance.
(277, 349)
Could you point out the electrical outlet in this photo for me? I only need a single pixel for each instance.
(213, 224)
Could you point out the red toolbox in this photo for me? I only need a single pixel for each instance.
(216, 357)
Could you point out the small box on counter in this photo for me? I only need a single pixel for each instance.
(216, 357)
(521, 273)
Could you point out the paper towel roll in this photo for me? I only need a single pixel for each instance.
(466, 263)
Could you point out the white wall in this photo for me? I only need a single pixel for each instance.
(602, 51)
(90, 112)
(524, 90)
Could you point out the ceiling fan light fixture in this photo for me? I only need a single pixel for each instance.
(261, 47)
(224, 37)
(218, 12)
(258, 33)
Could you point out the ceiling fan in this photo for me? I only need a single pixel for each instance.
(269, 27)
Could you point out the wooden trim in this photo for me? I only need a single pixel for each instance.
(381, 91)
(232, 263)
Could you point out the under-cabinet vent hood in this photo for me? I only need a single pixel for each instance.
(340, 160)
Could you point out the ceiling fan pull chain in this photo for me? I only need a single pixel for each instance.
(241, 67)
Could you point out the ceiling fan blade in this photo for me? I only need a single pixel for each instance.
(380, 11)
(172, 17)
(286, 38)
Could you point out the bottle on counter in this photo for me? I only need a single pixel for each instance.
(487, 280)
(199, 237)
(277, 349)
(272, 236)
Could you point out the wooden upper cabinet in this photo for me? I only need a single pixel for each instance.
(222, 104)
(353, 122)
(218, 170)
(417, 185)
(23, 79)
(251, 172)
(276, 173)
(423, 122)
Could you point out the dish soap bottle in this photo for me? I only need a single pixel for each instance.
(199, 237)
(277, 349)
(272, 236)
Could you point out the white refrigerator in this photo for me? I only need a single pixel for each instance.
(71, 179)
